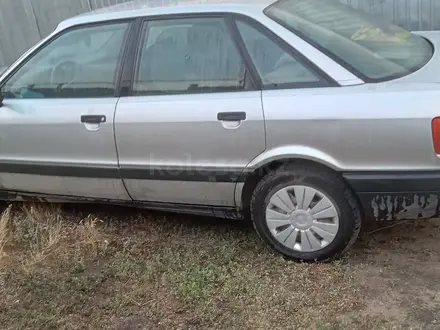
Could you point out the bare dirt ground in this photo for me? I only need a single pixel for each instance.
(95, 267)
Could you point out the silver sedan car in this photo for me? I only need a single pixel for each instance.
(304, 115)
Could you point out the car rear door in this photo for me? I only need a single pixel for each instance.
(56, 123)
(193, 119)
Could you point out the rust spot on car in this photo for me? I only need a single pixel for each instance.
(390, 207)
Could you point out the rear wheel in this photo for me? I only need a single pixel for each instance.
(306, 213)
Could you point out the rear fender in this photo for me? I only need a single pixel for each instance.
(283, 153)
(294, 152)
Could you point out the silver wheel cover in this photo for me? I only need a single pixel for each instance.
(302, 218)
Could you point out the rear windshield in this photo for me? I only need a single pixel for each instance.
(372, 48)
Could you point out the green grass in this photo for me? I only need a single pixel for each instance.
(120, 269)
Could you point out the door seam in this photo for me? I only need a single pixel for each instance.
(117, 151)
(244, 172)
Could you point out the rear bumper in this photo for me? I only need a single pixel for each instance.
(397, 195)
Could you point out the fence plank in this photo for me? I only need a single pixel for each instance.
(18, 29)
(49, 13)
(104, 3)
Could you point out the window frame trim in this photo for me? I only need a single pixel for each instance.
(123, 53)
(324, 79)
(231, 21)
(250, 83)
(128, 65)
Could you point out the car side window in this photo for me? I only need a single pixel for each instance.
(81, 63)
(188, 55)
(276, 67)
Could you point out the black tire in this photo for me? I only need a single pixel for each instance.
(322, 179)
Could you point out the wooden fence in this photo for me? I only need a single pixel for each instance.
(24, 22)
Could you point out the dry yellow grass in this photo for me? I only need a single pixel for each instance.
(90, 235)
(4, 222)
(98, 267)
(37, 228)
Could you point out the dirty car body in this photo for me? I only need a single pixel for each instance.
(114, 106)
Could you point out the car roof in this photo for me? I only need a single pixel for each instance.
(163, 7)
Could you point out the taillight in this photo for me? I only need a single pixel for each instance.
(436, 134)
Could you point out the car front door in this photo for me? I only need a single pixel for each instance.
(56, 122)
(194, 119)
